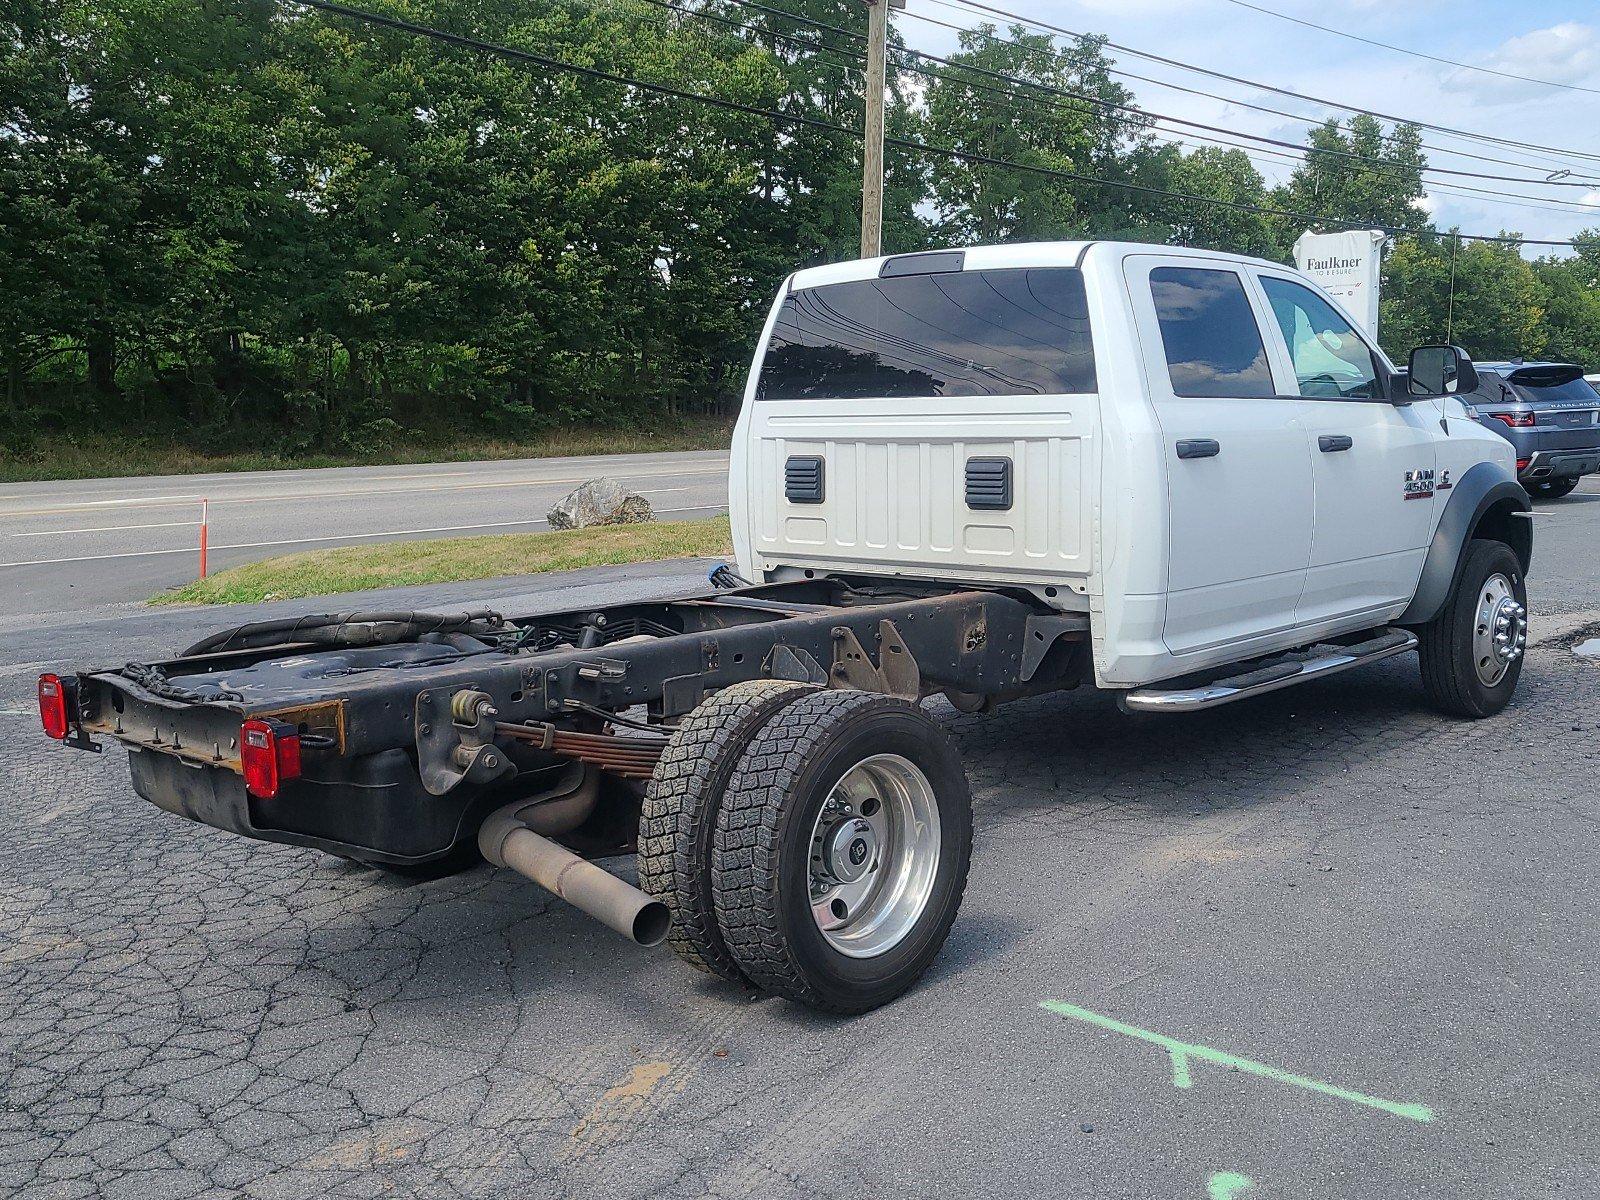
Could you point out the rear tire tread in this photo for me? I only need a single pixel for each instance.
(679, 815)
(746, 859)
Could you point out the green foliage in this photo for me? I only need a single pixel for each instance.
(1028, 122)
(1571, 300)
(238, 224)
(1481, 295)
(1227, 175)
(1359, 175)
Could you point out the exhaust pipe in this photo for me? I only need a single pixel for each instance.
(507, 842)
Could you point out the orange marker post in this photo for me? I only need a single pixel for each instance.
(205, 507)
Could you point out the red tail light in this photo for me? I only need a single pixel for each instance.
(1522, 463)
(269, 752)
(53, 706)
(1523, 420)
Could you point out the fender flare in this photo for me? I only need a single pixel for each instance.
(1485, 491)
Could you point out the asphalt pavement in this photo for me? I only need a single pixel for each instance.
(70, 545)
(1325, 944)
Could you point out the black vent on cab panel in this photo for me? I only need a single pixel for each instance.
(989, 483)
(802, 479)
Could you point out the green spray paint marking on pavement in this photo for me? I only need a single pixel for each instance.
(1182, 1052)
(1228, 1185)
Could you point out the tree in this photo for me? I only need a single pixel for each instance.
(1480, 295)
(1570, 296)
(1357, 176)
(249, 223)
(1227, 176)
(969, 109)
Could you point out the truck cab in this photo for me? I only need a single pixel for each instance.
(1201, 452)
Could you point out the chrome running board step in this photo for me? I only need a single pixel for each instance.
(1325, 661)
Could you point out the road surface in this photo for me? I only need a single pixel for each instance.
(70, 545)
(1372, 928)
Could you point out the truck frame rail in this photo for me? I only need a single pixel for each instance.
(409, 728)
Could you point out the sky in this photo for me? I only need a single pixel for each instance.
(1558, 43)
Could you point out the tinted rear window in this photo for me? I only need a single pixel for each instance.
(966, 333)
(1563, 385)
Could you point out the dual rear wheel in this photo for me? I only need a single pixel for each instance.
(812, 843)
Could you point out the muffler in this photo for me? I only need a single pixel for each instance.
(507, 842)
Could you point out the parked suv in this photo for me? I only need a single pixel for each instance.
(1550, 413)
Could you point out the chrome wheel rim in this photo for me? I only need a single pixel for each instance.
(874, 856)
(1499, 630)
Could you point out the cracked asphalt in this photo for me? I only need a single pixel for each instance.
(1334, 882)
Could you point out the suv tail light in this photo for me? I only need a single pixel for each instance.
(53, 700)
(1517, 420)
(269, 752)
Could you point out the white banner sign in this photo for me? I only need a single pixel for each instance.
(1346, 266)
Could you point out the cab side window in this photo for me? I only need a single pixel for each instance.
(1330, 359)
(1209, 332)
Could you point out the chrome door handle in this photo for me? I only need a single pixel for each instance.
(1332, 443)
(1198, 448)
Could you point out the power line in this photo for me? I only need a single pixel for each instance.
(556, 64)
(1540, 203)
(410, 27)
(978, 6)
(1449, 62)
(1524, 148)
(1300, 156)
(1042, 25)
(760, 31)
(812, 21)
(1303, 153)
(1160, 116)
(967, 83)
(1255, 137)
(1056, 55)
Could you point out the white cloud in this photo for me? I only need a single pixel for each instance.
(1564, 53)
(1426, 203)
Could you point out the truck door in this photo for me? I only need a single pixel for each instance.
(1238, 471)
(1373, 464)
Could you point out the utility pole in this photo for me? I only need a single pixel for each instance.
(872, 149)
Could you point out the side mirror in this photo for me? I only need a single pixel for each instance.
(1441, 371)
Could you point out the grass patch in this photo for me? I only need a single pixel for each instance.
(107, 456)
(450, 560)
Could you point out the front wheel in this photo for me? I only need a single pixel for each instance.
(842, 849)
(1472, 650)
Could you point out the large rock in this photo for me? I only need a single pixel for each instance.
(600, 502)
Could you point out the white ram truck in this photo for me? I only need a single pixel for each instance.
(1183, 477)
(1199, 452)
